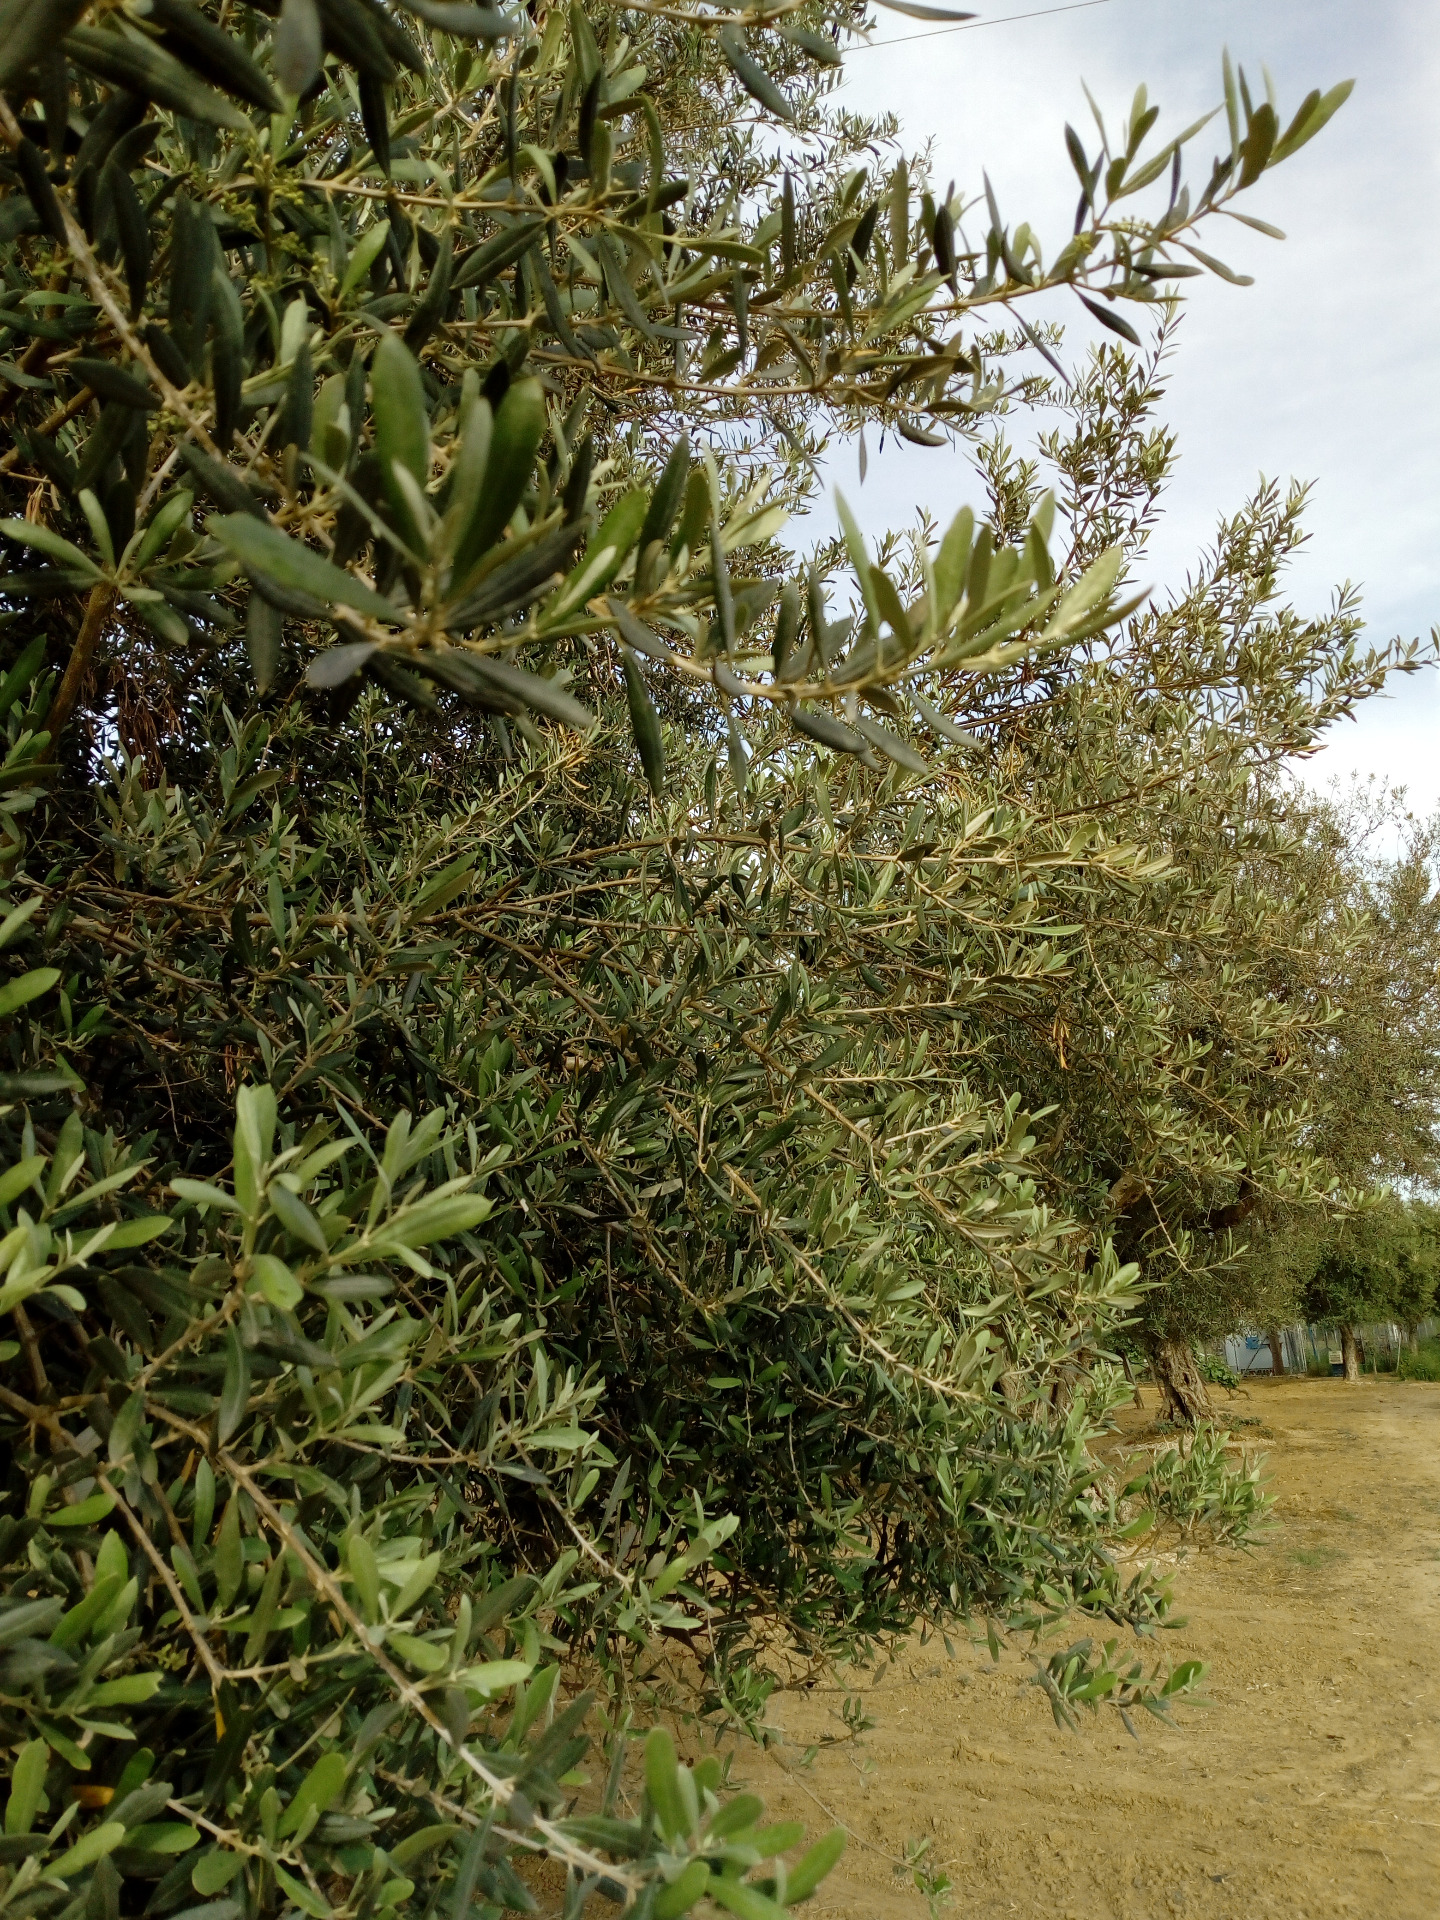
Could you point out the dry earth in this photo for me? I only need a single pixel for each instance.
(1310, 1787)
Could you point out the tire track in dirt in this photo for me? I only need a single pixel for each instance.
(1310, 1787)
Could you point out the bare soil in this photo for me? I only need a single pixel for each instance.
(1309, 1787)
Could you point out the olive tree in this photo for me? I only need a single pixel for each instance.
(509, 1162)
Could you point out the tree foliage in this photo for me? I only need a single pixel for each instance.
(1382, 1265)
(529, 1012)
(1365, 870)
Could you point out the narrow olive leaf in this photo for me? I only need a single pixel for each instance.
(1315, 110)
(145, 68)
(621, 291)
(43, 540)
(554, 311)
(694, 515)
(811, 1869)
(402, 429)
(644, 723)
(366, 252)
(818, 45)
(720, 587)
(43, 197)
(263, 624)
(120, 115)
(683, 1893)
(753, 77)
(669, 491)
(396, 39)
(918, 12)
(1258, 144)
(637, 634)
(894, 749)
(297, 45)
(375, 118)
(494, 255)
(235, 1387)
(1219, 267)
(938, 723)
(431, 310)
(299, 409)
(264, 550)
(465, 23)
(40, 583)
(211, 52)
(519, 425)
(662, 1784)
(1250, 220)
(542, 695)
(1114, 321)
(352, 30)
(830, 732)
(463, 673)
(29, 29)
(1040, 347)
(110, 382)
(589, 107)
(117, 193)
(338, 664)
(227, 354)
(787, 626)
(470, 452)
(223, 484)
(290, 600)
(166, 354)
(943, 237)
(514, 583)
(737, 755)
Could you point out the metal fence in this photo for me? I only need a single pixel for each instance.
(1310, 1349)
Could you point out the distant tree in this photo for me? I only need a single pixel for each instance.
(1248, 1032)
(1417, 1265)
(1381, 1265)
(1370, 1068)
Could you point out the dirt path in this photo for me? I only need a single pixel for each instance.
(1311, 1786)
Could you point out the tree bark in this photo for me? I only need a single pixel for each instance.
(1350, 1352)
(1184, 1396)
(1275, 1340)
(97, 611)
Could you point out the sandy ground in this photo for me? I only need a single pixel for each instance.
(1309, 1787)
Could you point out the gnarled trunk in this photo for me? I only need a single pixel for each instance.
(1350, 1352)
(1275, 1340)
(1184, 1396)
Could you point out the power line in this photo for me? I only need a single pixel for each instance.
(971, 26)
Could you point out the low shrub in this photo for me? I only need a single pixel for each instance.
(1419, 1363)
(1196, 1488)
(1218, 1373)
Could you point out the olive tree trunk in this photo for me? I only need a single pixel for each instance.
(1350, 1352)
(1184, 1396)
(1276, 1342)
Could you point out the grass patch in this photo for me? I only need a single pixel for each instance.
(1316, 1556)
(1422, 1364)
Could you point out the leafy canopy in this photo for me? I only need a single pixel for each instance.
(524, 1002)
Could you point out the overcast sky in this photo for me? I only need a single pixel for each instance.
(1327, 369)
